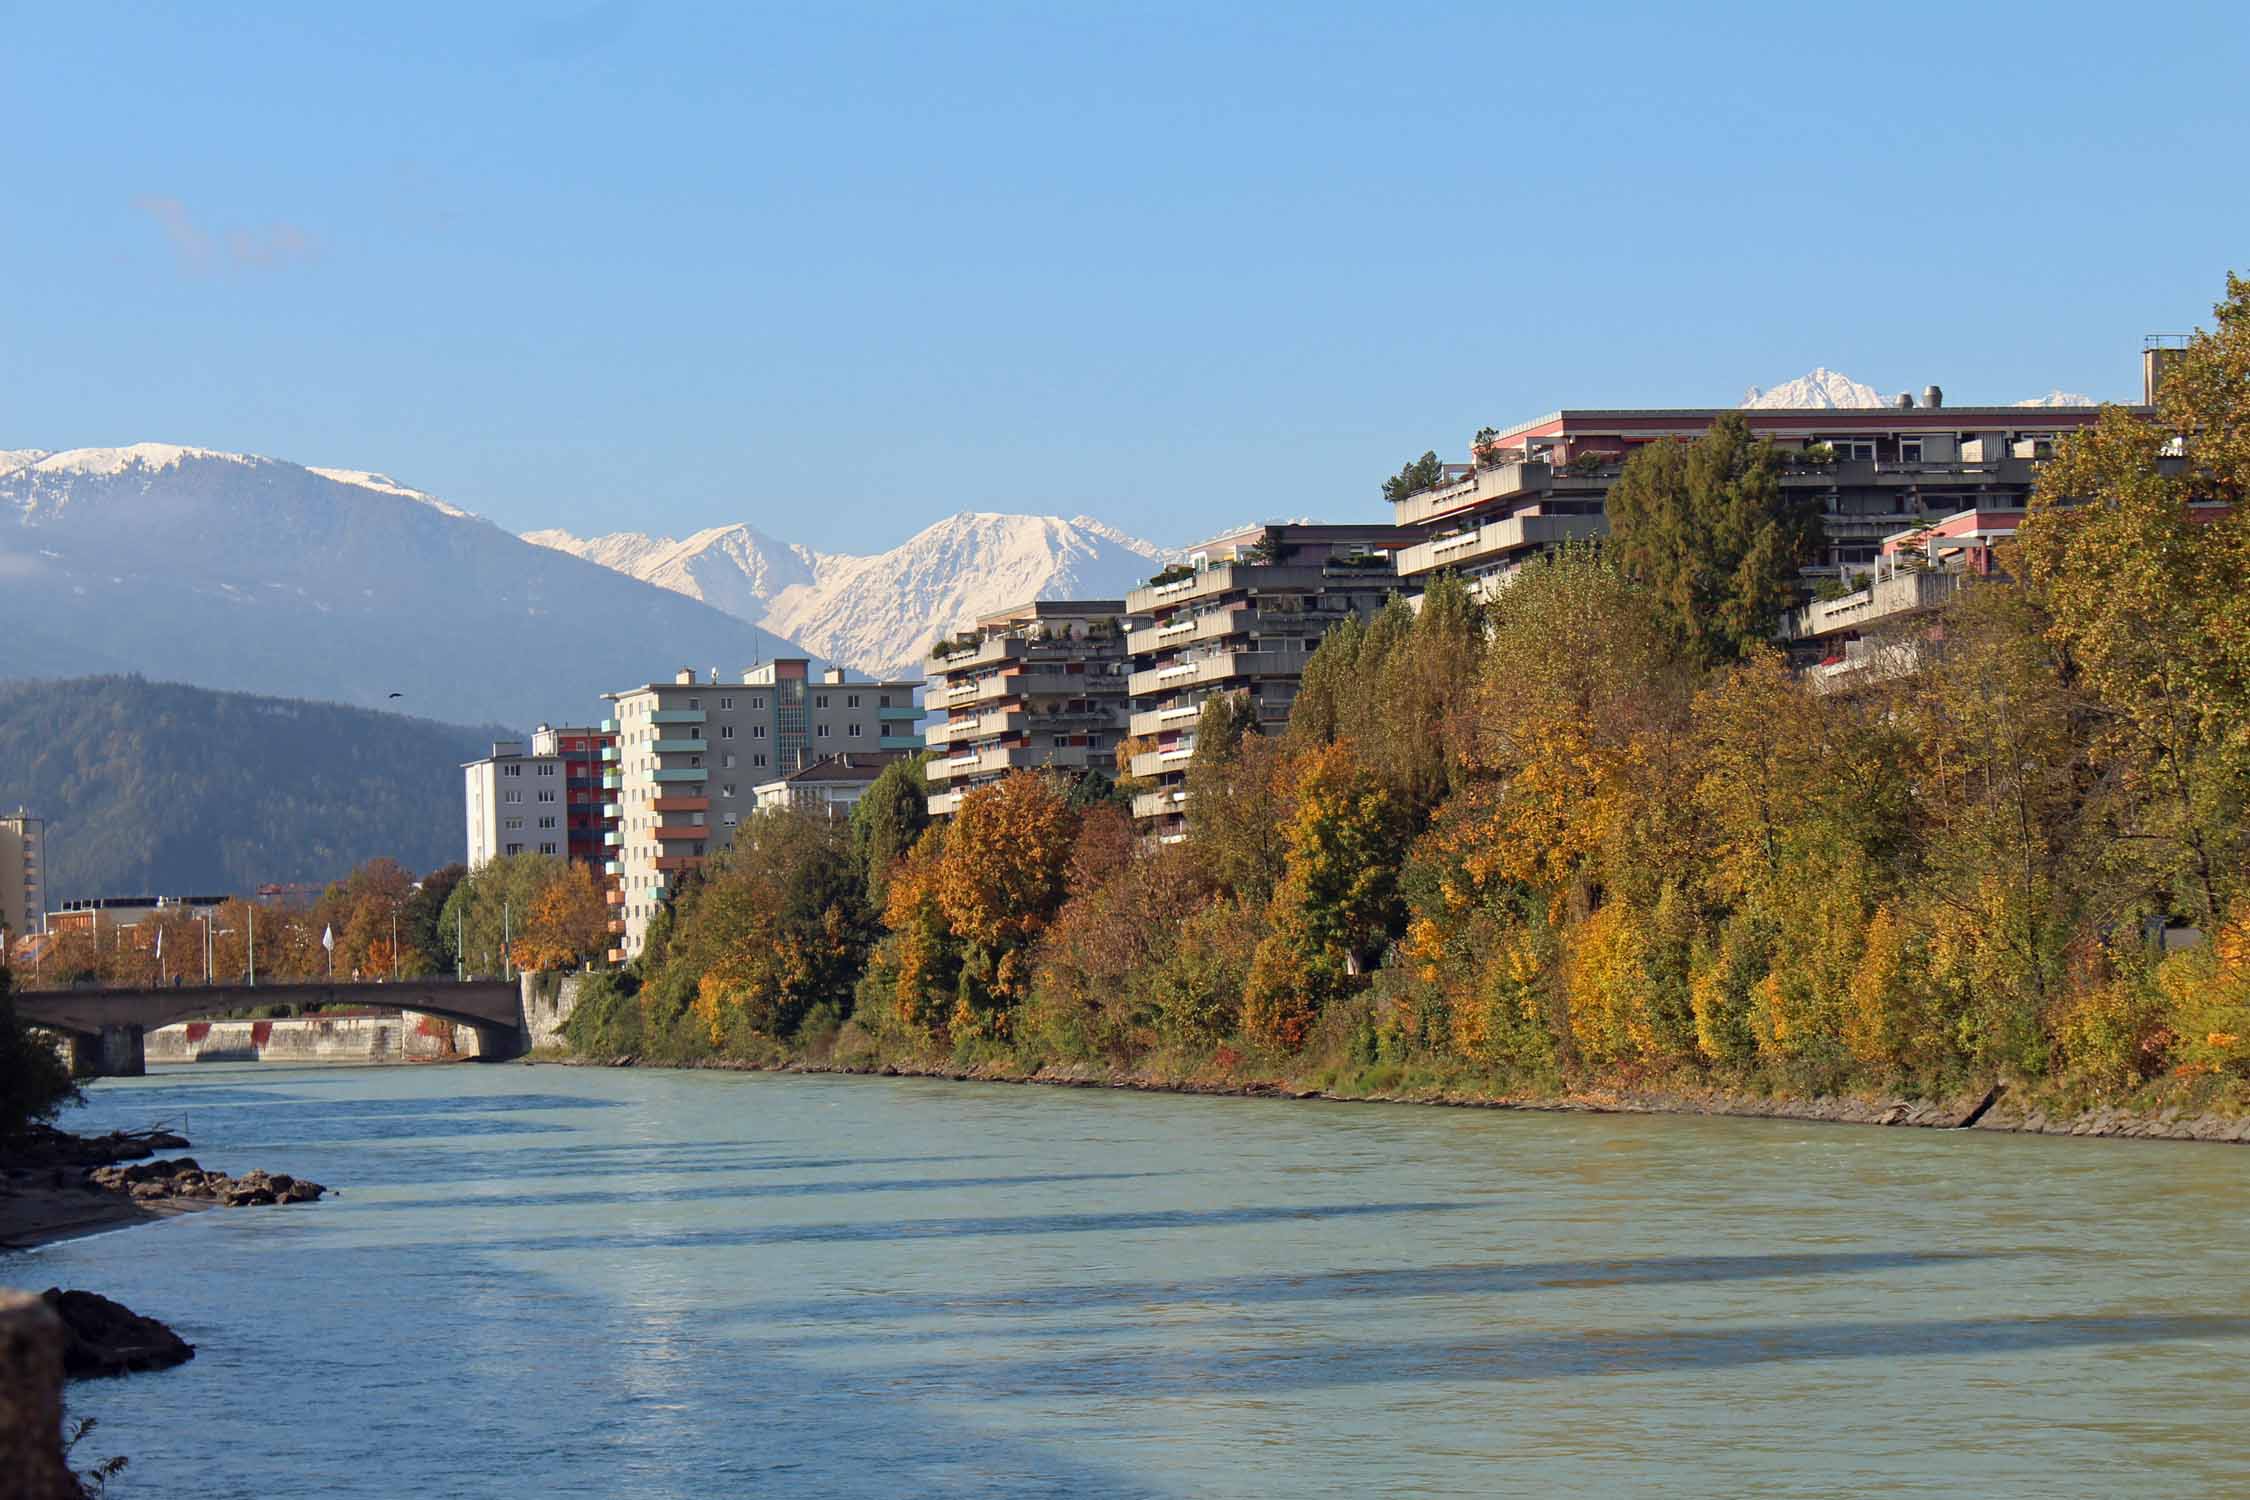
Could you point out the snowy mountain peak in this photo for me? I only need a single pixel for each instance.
(2059, 397)
(883, 611)
(383, 484)
(154, 458)
(1822, 389)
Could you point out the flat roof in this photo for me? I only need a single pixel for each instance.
(1938, 418)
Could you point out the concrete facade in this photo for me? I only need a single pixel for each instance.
(514, 804)
(1040, 685)
(1242, 615)
(23, 876)
(690, 754)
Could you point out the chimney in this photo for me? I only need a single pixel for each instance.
(2160, 355)
(685, 677)
(1932, 396)
(833, 675)
(1905, 401)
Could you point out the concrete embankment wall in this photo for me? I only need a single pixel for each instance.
(406, 1036)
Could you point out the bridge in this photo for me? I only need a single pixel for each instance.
(106, 1029)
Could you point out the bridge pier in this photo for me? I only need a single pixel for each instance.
(118, 1050)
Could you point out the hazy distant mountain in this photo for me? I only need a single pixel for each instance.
(2059, 398)
(1822, 389)
(881, 612)
(151, 788)
(234, 571)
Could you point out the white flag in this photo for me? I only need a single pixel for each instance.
(328, 938)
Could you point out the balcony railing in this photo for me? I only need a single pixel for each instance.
(680, 747)
(677, 716)
(683, 773)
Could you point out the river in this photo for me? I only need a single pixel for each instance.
(563, 1281)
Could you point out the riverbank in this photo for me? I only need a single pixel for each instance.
(1998, 1108)
(58, 1186)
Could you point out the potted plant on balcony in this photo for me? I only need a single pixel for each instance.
(1172, 573)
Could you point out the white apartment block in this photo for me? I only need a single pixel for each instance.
(515, 803)
(691, 754)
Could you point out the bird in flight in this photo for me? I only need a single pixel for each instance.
(398, 695)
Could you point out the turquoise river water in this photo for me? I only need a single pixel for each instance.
(549, 1281)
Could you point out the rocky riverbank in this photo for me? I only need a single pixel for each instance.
(57, 1186)
(1995, 1108)
(108, 1338)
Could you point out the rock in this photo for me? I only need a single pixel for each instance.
(31, 1381)
(106, 1338)
(184, 1178)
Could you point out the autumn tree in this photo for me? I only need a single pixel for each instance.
(999, 882)
(1708, 528)
(567, 923)
(1337, 902)
(780, 926)
(1234, 798)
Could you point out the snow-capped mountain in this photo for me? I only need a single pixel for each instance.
(881, 613)
(1822, 389)
(228, 570)
(2059, 398)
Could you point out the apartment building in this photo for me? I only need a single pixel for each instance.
(1039, 685)
(1875, 472)
(513, 800)
(23, 879)
(1240, 615)
(588, 812)
(691, 753)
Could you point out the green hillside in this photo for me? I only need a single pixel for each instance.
(156, 788)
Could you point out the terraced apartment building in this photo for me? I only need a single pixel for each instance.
(1239, 615)
(691, 753)
(1039, 685)
(1875, 471)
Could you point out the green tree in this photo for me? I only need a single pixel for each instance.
(1708, 529)
(33, 1081)
(890, 816)
(1424, 473)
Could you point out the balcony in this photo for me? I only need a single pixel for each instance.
(681, 747)
(676, 716)
(899, 742)
(1222, 666)
(613, 898)
(1235, 619)
(1882, 599)
(612, 810)
(609, 726)
(679, 862)
(612, 837)
(617, 927)
(609, 755)
(998, 759)
(1226, 578)
(1496, 540)
(1150, 764)
(907, 711)
(683, 831)
(612, 780)
(1160, 804)
(1169, 717)
(682, 773)
(613, 867)
(681, 804)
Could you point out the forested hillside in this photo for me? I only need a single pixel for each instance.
(151, 787)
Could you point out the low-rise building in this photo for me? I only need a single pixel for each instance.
(1037, 686)
(832, 786)
(1240, 615)
(691, 753)
(23, 874)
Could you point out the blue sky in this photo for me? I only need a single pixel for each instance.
(840, 271)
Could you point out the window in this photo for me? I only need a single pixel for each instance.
(820, 700)
(820, 730)
(547, 769)
(695, 733)
(512, 823)
(883, 700)
(726, 731)
(727, 790)
(512, 795)
(726, 703)
(548, 821)
(730, 820)
(757, 700)
(726, 761)
(511, 770)
(1061, 740)
(1909, 450)
(757, 731)
(546, 794)
(758, 760)
(546, 848)
(852, 731)
(695, 703)
(851, 700)
(1854, 452)
(515, 848)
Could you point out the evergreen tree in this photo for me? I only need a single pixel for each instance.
(887, 821)
(1708, 529)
